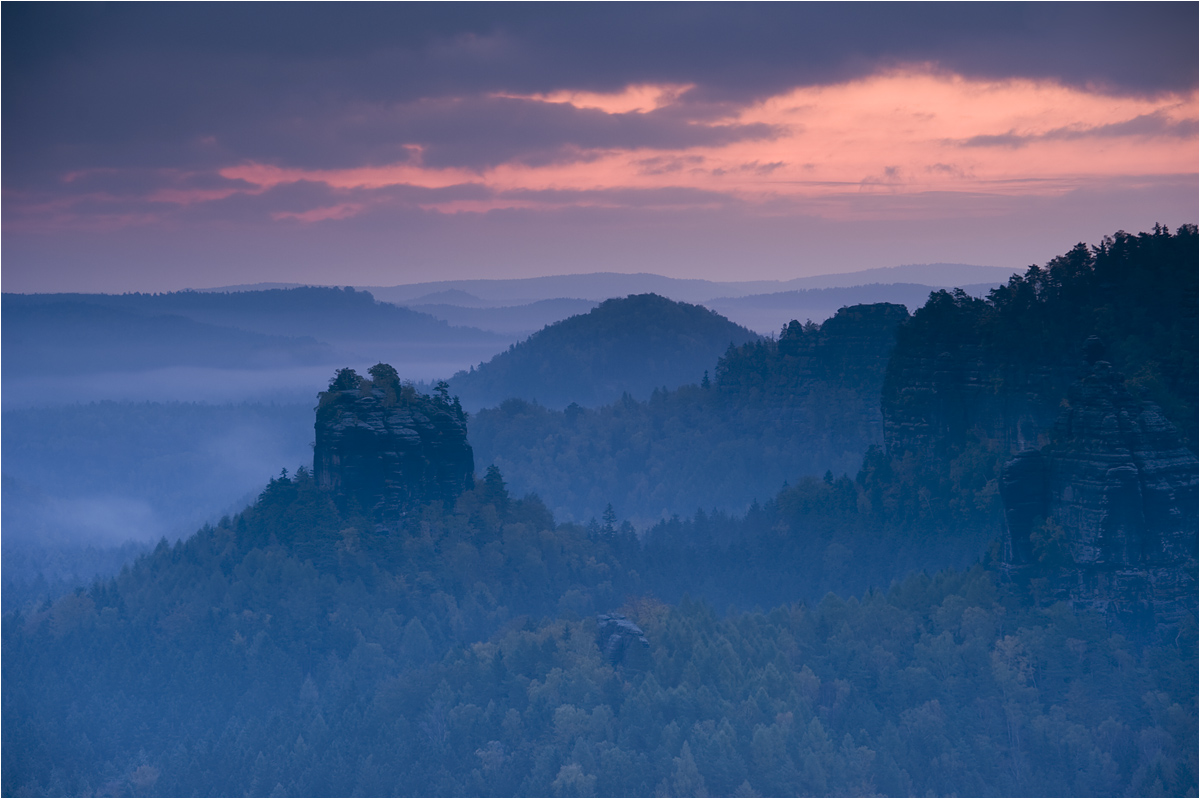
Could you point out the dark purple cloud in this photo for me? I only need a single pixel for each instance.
(479, 132)
(665, 197)
(321, 85)
(141, 182)
(732, 48)
(1155, 124)
(301, 197)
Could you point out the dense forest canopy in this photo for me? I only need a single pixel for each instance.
(972, 382)
(1136, 293)
(293, 650)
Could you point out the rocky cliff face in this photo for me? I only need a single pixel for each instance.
(847, 360)
(1100, 504)
(947, 381)
(388, 448)
(825, 379)
(946, 396)
(1107, 511)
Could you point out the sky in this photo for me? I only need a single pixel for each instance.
(154, 147)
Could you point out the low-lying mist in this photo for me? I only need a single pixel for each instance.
(293, 385)
(87, 479)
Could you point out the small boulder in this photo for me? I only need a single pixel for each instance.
(618, 638)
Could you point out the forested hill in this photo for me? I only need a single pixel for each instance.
(51, 338)
(771, 412)
(331, 315)
(271, 344)
(624, 346)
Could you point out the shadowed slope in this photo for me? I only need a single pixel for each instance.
(632, 345)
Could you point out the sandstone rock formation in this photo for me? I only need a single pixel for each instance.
(1107, 511)
(388, 448)
(618, 638)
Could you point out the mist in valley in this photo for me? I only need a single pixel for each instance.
(109, 449)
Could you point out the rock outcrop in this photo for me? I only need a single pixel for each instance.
(387, 447)
(621, 641)
(1107, 511)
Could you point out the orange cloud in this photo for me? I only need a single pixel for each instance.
(904, 132)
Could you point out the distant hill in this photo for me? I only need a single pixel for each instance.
(455, 297)
(327, 314)
(52, 340)
(767, 313)
(936, 275)
(595, 286)
(254, 287)
(634, 345)
(513, 320)
(57, 337)
(606, 285)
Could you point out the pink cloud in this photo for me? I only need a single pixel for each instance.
(639, 98)
(906, 132)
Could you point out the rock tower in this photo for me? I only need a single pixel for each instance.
(388, 448)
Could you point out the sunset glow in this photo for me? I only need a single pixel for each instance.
(410, 135)
(903, 132)
(632, 99)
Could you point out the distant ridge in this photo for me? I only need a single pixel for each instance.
(914, 295)
(766, 313)
(935, 275)
(600, 286)
(512, 320)
(455, 297)
(83, 347)
(259, 287)
(596, 286)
